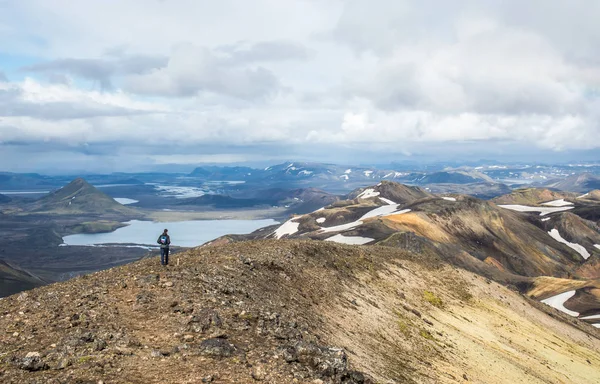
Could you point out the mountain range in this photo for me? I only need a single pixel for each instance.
(503, 239)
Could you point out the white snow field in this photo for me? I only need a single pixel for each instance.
(390, 202)
(558, 302)
(368, 193)
(449, 198)
(543, 210)
(125, 201)
(288, 228)
(321, 220)
(546, 219)
(582, 196)
(577, 247)
(558, 203)
(355, 240)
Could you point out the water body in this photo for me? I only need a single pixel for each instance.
(183, 233)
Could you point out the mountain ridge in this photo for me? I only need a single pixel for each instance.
(286, 311)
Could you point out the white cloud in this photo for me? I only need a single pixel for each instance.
(386, 75)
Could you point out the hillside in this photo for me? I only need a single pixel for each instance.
(494, 241)
(4, 199)
(14, 280)
(533, 196)
(79, 197)
(583, 183)
(290, 312)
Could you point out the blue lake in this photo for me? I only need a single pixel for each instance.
(183, 233)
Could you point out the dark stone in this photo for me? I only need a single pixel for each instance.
(99, 345)
(33, 363)
(217, 348)
(206, 319)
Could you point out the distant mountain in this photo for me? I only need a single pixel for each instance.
(13, 279)
(27, 181)
(533, 196)
(79, 197)
(583, 183)
(298, 200)
(455, 177)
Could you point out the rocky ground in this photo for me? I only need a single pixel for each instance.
(290, 311)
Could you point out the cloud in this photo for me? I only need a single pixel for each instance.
(33, 100)
(100, 70)
(265, 51)
(193, 69)
(304, 77)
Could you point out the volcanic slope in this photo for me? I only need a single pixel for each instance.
(79, 197)
(13, 279)
(498, 243)
(290, 311)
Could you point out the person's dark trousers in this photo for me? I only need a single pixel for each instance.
(164, 256)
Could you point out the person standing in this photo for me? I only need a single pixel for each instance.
(164, 240)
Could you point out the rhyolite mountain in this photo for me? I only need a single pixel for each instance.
(291, 311)
(508, 246)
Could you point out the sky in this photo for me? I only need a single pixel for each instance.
(130, 85)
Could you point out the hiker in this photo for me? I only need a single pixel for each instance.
(164, 240)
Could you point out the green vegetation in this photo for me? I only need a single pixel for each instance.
(426, 334)
(84, 359)
(101, 226)
(432, 299)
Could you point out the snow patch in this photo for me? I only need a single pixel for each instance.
(342, 227)
(597, 246)
(390, 202)
(367, 173)
(305, 172)
(449, 198)
(368, 193)
(590, 317)
(344, 177)
(288, 228)
(347, 171)
(543, 210)
(558, 302)
(582, 196)
(384, 210)
(125, 201)
(354, 240)
(558, 203)
(546, 219)
(321, 220)
(577, 247)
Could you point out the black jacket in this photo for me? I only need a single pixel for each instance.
(166, 245)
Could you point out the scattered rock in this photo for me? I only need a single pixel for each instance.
(188, 338)
(168, 284)
(32, 362)
(206, 319)
(327, 361)
(259, 373)
(217, 347)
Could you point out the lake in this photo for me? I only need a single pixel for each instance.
(183, 233)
